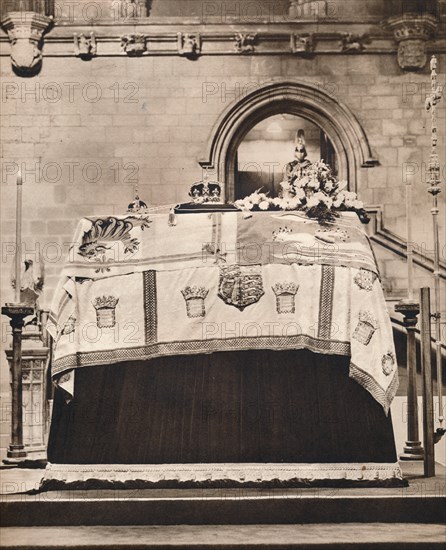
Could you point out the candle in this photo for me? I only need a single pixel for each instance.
(409, 239)
(18, 238)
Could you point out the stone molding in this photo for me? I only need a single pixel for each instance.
(277, 39)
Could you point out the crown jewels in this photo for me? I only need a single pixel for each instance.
(205, 191)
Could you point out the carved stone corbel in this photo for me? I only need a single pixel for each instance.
(354, 42)
(25, 31)
(134, 45)
(412, 32)
(130, 9)
(189, 45)
(245, 43)
(85, 47)
(299, 9)
(301, 43)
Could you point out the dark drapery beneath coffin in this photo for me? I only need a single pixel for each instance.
(244, 406)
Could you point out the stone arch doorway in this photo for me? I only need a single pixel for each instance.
(297, 98)
(265, 151)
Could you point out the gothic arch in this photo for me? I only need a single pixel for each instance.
(293, 97)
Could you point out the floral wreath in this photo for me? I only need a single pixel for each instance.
(313, 190)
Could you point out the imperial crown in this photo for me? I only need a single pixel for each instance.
(205, 191)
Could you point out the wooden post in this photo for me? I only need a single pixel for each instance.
(428, 389)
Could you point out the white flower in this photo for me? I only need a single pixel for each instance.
(338, 202)
(314, 183)
(358, 205)
(319, 196)
(264, 205)
(300, 193)
(293, 203)
(328, 201)
(312, 201)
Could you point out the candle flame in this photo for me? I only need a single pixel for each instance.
(19, 178)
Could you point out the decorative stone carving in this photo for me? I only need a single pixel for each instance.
(302, 43)
(245, 43)
(412, 32)
(85, 47)
(353, 42)
(134, 45)
(133, 8)
(307, 8)
(25, 32)
(189, 45)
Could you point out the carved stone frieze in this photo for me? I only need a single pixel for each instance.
(25, 32)
(85, 46)
(245, 43)
(354, 42)
(412, 32)
(189, 45)
(133, 8)
(307, 8)
(302, 43)
(134, 45)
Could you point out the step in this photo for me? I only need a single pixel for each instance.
(228, 507)
(313, 536)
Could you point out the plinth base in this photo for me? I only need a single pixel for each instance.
(15, 453)
(412, 451)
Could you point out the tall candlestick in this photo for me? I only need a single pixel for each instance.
(18, 239)
(434, 189)
(409, 240)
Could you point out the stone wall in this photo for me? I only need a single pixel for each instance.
(84, 132)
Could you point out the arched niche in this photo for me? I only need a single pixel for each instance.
(293, 97)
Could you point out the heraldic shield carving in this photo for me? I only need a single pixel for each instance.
(240, 285)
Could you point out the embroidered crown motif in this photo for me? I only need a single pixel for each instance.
(105, 311)
(285, 294)
(365, 328)
(367, 318)
(285, 288)
(195, 296)
(105, 302)
(191, 292)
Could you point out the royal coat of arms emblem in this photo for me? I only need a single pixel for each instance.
(240, 285)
